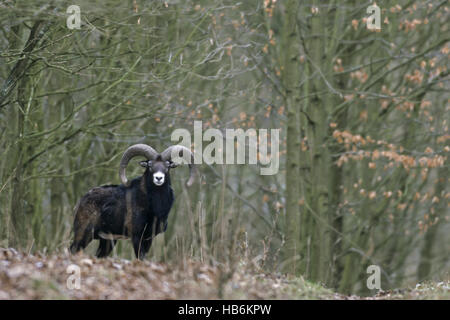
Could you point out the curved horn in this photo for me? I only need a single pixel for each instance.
(176, 150)
(134, 151)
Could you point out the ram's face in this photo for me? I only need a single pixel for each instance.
(158, 170)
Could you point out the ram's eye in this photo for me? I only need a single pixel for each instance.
(143, 164)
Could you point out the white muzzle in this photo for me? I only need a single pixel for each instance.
(158, 178)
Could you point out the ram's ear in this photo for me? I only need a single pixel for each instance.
(172, 165)
(144, 164)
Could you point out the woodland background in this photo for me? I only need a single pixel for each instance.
(363, 115)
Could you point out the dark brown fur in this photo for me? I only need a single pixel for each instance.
(138, 211)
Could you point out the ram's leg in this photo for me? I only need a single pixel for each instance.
(83, 226)
(105, 247)
(82, 238)
(141, 247)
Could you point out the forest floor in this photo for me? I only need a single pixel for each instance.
(39, 276)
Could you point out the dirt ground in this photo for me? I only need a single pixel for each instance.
(63, 276)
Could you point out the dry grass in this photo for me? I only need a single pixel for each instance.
(39, 276)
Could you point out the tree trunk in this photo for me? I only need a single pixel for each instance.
(290, 80)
